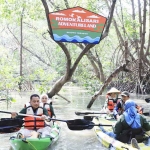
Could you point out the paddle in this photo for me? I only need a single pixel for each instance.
(77, 124)
(87, 113)
(9, 125)
(147, 100)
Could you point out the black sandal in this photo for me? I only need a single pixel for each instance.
(19, 136)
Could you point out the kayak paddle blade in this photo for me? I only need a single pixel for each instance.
(90, 118)
(79, 124)
(9, 125)
(147, 100)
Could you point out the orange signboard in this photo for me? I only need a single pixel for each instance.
(77, 25)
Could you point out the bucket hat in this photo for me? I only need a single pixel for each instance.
(113, 90)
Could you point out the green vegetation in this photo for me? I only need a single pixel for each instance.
(44, 62)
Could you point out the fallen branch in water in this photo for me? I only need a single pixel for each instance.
(63, 97)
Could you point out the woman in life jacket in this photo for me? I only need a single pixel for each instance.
(47, 104)
(111, 100)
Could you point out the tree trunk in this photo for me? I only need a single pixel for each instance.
(21, 43)
(69, 71)
(108, 80)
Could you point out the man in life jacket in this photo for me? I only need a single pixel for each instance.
(31, 123)
(47, 104)
(111, 100)
(119, 108)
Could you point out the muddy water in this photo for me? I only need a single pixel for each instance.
(68, 140)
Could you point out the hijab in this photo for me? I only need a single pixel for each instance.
(49, 100)
(42, 97)
(131, 116)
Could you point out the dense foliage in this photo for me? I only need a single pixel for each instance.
(24, 27)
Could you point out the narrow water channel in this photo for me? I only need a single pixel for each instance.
(68, 140)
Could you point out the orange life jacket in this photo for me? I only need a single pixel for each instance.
(33, 123)
(112, 103)
(47, 106)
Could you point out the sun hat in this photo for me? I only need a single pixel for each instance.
(125, 93)
(113, 90)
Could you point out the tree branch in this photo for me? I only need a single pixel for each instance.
(66, 3)
(105, 33)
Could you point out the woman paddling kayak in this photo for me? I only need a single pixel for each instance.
(130, 125)
(111, 100)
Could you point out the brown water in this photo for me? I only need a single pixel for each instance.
(68, 140)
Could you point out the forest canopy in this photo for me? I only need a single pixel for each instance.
(31, 59)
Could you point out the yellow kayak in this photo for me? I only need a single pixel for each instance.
(110, 142)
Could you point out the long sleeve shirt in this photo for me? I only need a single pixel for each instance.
(120, 106)
(121, 125)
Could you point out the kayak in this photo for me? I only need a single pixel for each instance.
(40, 143)
(109, 142)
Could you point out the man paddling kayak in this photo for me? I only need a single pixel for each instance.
(32, 124)
(119, 108)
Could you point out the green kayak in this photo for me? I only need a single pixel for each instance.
(36, 143)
